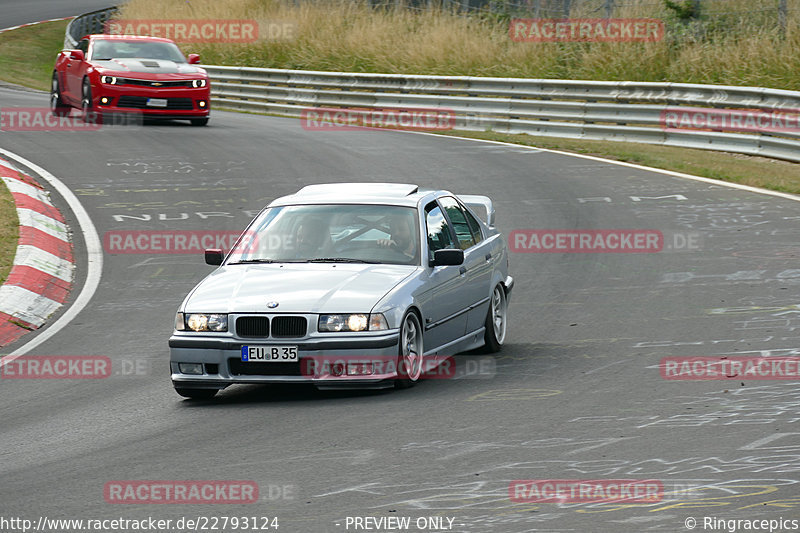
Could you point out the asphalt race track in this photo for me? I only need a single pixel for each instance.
(16, 12)
(576, 393)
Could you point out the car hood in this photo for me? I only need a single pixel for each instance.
(146, 66)
(297, 288)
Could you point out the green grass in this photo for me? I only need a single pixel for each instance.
(761, 172)
(9, 231)
(27, 55)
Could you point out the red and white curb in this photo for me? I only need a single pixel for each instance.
(34, 24)
(42, 272)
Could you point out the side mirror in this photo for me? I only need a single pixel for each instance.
(214, 256)
(447, 257)
(194, 59)
(76, 55)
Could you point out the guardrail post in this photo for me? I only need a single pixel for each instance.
(609, 8)
(782, 16)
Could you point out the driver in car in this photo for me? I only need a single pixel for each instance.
(401, 237)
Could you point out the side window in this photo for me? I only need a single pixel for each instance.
(458, 217)
(474, 226)
(438, 230)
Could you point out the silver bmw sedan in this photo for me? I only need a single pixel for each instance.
(354, 285)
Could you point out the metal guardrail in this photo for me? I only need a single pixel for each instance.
(86, 24)
(596, 110)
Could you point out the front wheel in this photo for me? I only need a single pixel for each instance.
(199, 121)
(196, 394)
(496, 320)
(409, 358)
(90, 114)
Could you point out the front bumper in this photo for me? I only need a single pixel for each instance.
(222, 364)
(181, 102)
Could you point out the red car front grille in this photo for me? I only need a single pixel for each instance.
(153, 83)
(140, 102)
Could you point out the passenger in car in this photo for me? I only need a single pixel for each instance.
(311, 238)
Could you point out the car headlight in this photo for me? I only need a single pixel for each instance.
(201, 322)
(110, 80)
(198, 83)
(352, 322)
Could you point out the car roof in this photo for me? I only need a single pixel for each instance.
(116, 37)
(402, 194)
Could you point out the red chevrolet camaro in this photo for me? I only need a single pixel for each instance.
(148, 77)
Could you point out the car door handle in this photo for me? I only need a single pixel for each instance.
(462, 270)
(489, 256)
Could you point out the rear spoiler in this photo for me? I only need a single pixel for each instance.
(474, 201)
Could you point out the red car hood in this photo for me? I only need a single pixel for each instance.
(146, 66)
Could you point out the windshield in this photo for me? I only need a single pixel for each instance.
(331, 233)
(117, 49)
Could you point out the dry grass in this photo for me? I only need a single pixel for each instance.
(351, 36)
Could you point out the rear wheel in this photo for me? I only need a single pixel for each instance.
(57, 105)
(496, 320)
(409, 359)
(197, 394)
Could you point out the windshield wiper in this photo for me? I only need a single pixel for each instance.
(341, 260)
(266, 261)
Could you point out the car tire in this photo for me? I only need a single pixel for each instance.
(90, 114)
(410, 351)
(197, 394)
(199, 121)
(496, 320)
(57, 105)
